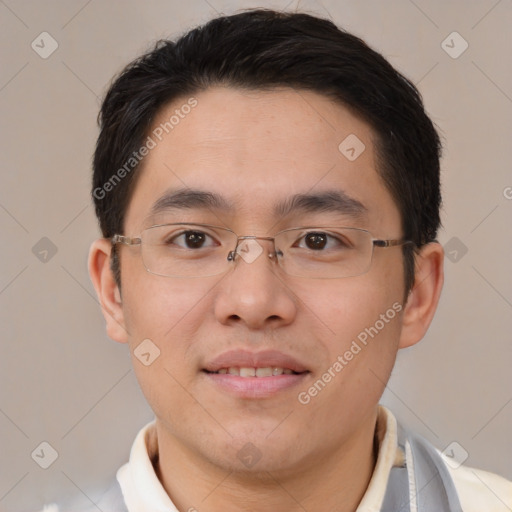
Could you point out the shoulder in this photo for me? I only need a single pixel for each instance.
(480, 490)
(477, 490)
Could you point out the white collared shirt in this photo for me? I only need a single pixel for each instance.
(478, 491)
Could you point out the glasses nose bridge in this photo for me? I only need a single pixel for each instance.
(254, 237)
(271, 254)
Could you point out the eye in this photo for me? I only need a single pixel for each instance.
(191, 239)
(321, 240)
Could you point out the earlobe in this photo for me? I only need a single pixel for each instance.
(424, 297)
(107, 289)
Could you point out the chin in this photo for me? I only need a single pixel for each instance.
(256, 453)
(263, 462)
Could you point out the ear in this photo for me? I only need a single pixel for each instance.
(424, 296)
(107, 290)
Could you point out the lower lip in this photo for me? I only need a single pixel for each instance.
(255, 387)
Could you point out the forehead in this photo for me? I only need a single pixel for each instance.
(258, 150)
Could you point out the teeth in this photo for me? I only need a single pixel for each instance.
(255, 372)
(247, 372)
(263, 372)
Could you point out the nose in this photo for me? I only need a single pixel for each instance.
(253, 292)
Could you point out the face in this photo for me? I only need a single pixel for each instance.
(256, 150)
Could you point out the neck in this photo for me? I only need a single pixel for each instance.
(336, 480)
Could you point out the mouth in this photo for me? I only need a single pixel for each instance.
(267, 371)
(254, 375)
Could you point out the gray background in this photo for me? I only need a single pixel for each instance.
(64, 382)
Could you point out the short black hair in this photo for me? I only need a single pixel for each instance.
(263, 49)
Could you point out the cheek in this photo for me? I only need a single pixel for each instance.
(156, 306)
(169, 313)
(363, 315)
(343, 308)
(360, 356)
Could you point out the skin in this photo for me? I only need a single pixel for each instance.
(265, 147)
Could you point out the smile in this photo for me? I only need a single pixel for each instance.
(267, 371)
(255, 383)
(246, 374)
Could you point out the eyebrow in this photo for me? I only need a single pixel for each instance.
(186, 198)
(331, 201)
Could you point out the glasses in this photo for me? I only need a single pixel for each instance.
(202, 250)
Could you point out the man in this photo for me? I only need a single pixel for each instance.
(267, 188)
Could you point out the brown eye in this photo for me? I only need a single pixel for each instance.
(316, 241)
(190, 240)
(194, 239)
(323, 241)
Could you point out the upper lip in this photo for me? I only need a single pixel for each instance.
(247, 359)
